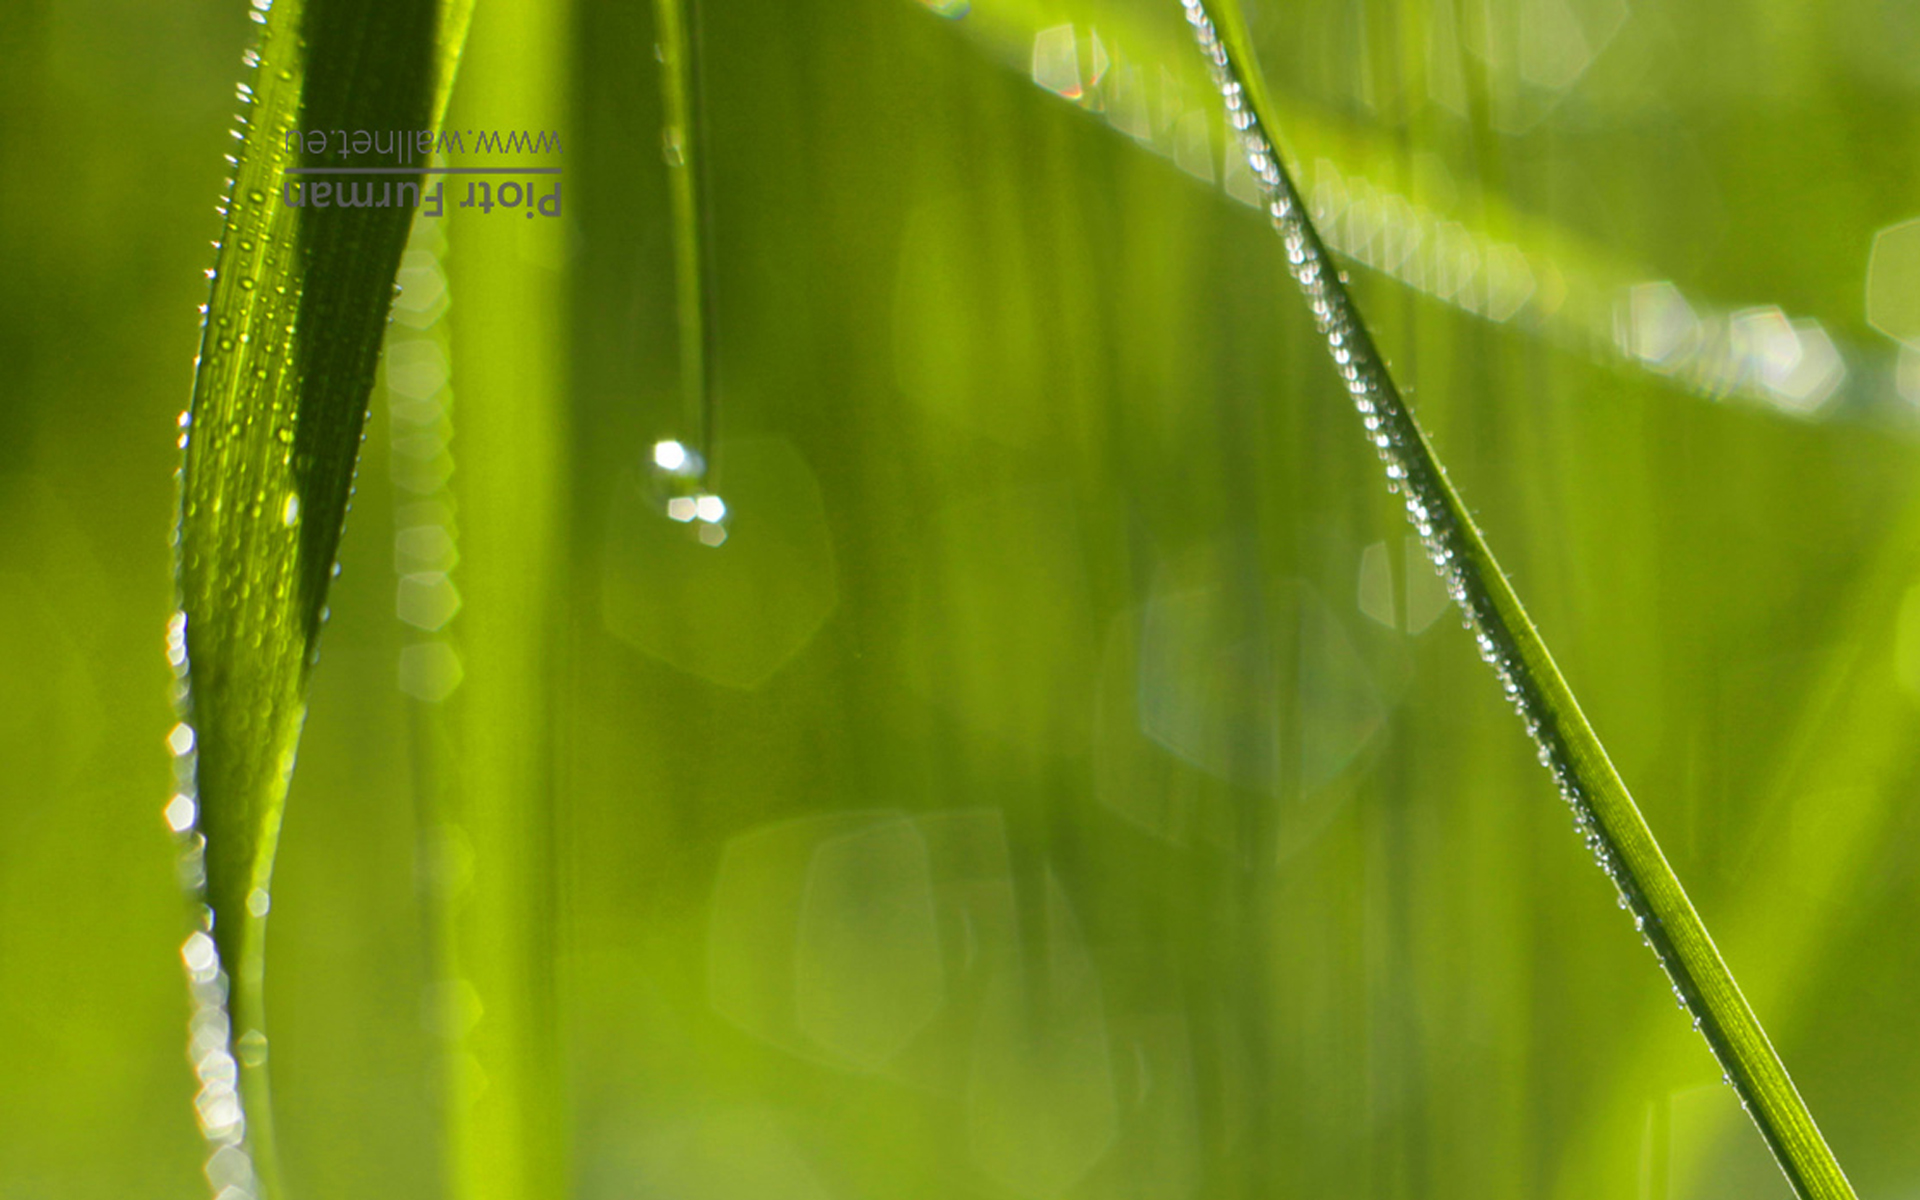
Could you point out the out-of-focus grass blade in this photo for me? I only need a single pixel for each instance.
(293, 330)
(1568, 746)
(1130, 63)
(501, 928)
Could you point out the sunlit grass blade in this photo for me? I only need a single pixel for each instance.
(1568, 746)
(293, 329)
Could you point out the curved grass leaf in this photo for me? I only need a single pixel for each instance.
(292, 334)
(1568, 747)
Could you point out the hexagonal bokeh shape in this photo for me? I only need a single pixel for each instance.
(1893, 282)
(1535, 51)
(731, 605)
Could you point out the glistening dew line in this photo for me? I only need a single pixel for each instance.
(1603, 810)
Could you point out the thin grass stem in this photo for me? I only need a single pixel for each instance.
(677, 29)
(1614, 830)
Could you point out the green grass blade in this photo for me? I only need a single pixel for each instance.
(293, 331)
(1615, 831)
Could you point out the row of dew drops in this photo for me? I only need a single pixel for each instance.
(211, 1048)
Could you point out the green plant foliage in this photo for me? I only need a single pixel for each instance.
(1066, 778)
(1603, 809)
(291, 339)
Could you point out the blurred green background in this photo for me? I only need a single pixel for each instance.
(1064, 780)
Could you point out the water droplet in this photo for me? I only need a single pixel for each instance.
(200, 956)
(180, 812)
(177, 642)
(252, 1045)
(674, 458)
